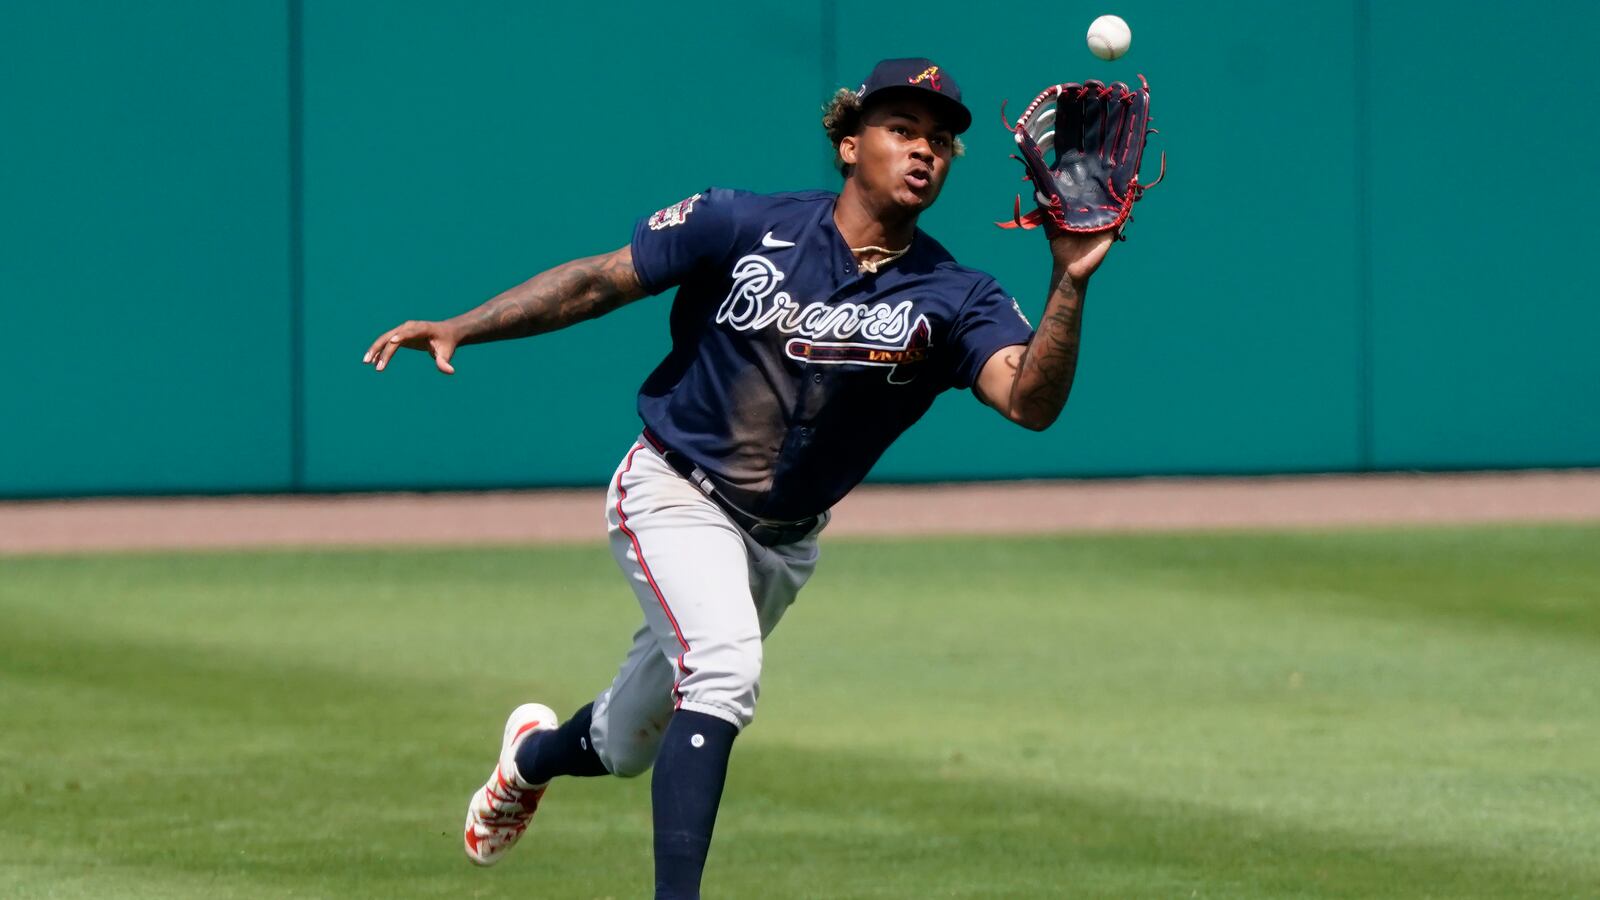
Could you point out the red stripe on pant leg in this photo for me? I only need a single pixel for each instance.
(622, 522)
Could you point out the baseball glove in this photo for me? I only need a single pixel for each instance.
(1097, 132)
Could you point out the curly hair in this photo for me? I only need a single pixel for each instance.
(842, 118)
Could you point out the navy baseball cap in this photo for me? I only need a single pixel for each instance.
(917, 74)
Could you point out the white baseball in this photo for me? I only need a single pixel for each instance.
(1109, 37)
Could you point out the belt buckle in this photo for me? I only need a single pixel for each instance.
(765, 535)
(769, 534)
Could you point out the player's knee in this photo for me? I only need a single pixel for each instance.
(727, 683)
(744, 668)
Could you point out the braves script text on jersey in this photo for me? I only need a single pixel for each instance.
(792, 370)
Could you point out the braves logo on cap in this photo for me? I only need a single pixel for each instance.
(918, 73)
(930, 75)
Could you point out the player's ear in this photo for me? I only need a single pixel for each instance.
(847, 149)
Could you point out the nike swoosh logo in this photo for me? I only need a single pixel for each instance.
(767, 240)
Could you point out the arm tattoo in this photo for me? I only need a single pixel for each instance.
(1045, 372)
(565, 295)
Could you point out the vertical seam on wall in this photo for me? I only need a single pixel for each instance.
(1364, 287)
(829, 60)
(297, 343)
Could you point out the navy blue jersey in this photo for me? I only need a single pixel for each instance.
(792, 370)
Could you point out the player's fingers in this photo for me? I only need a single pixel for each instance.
(371, 356)
(387, 351)
(409, 334)
(392, 338)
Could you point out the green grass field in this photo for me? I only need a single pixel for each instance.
(1362, 714)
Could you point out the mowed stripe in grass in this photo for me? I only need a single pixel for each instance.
(1347, 714)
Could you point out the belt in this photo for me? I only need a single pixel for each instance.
(766, 532)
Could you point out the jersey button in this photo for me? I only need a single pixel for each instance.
(817, 378)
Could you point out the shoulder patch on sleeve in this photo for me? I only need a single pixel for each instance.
(673, 215)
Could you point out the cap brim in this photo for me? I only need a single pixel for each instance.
(958, 117)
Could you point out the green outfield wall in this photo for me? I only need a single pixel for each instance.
(1371, 250)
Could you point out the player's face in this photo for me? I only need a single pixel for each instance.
(903, 153)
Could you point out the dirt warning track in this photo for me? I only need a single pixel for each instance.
(65, 526)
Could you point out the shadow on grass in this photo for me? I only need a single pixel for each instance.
(871, 828)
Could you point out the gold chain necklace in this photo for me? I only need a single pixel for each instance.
(890, 256)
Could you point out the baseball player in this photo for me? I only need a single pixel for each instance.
(809, 330)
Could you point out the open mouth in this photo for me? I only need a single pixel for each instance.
(919, 178)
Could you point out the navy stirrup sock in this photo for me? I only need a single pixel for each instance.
(685, 792)
(565, 751)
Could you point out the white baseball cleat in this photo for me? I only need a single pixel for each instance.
(500, 810)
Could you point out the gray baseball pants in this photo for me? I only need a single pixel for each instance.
(710, 594)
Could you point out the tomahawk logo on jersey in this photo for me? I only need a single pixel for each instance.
(791, 369)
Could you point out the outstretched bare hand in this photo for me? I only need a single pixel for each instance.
(435, 337)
